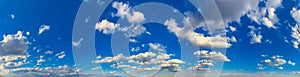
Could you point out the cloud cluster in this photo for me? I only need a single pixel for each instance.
(266, 15)
(207, 59)
(14, 44)
(124, 11)
(274, 61)
(60, 71)
(296, 35)
(147, 61)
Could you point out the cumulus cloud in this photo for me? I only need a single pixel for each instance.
(197, 38)
(147, 61)
(256, 38)
(207, 59)
(124, 11)
(106, 27)
(266, 15)
(44, 28)
(275, 62)
(14, 44)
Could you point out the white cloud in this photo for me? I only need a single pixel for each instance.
(207, 59)
(218, 56)
(43, 28)
(134, 31)
(196, 38)
(124, 11)
(255, 38)
(77, 43)
(12, 16)
(296, 35)
(14, 44)
(233, 29)
(133, 40)
(106, 26)
(48, 52)
(147, 61)
(61, 71)
(291, 63)
(27, 33)
(275, 62)
(60, 55)
(268, 22)
(296, 14)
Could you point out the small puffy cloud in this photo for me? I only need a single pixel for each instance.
(27, 33)
(291, 63)
(255, 38)
(106, 27)
(233, 29)
(77, 43)
(196, 38)
(14, 44)
(60, 55)
(12, 16)
(44, 28)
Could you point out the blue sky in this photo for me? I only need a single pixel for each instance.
(262, 36)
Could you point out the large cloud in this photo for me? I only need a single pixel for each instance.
(15, 44)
